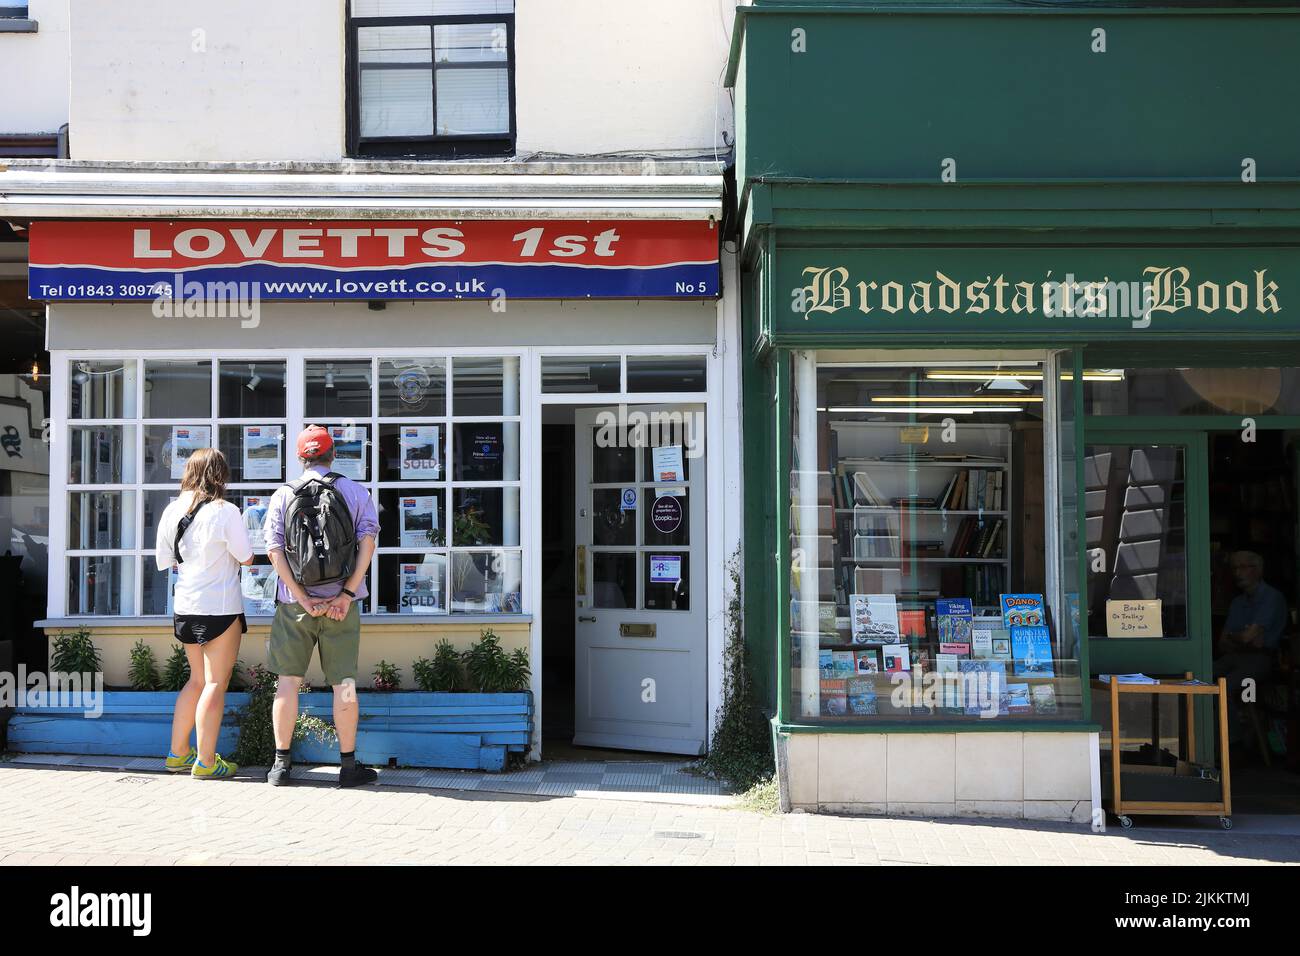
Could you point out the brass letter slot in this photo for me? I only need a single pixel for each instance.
(580, 572)
(636, 630)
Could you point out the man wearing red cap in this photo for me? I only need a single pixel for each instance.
(322, 614)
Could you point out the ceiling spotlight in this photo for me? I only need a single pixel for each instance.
(329, 375)
(254, 379)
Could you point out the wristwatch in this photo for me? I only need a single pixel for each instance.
(351, 594)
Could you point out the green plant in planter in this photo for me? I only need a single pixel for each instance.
(256, 744)
(75, 653)
(448, 668)
(443, 674)
(491, 670)
(388, 677)
(176, 672)
(143, 672)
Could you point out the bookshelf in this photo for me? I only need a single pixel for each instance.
(921, 521)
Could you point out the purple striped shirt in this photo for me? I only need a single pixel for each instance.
(364, 517)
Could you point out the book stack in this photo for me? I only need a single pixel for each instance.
(978, 537)
(974, 489)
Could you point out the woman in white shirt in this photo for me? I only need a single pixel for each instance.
(203, 536)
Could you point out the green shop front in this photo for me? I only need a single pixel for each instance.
(1011, 428)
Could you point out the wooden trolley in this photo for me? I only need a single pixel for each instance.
(1198, 789)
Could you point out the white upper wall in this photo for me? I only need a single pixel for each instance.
(244, 80)
(207, 80)
(34, 72)
(603, 76)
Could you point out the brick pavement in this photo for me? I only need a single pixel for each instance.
(86, 817)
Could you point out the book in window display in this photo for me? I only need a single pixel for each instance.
(834, 697)
(983, 686)
(1031, 649)
(953, 619)
(1023, 610)
(866, 661)
(860, 693)
(1044, 699)
(1018, 699)
(873, 618)
(897, 658)
(984, 631)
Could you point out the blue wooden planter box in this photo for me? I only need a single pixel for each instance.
(461, 731)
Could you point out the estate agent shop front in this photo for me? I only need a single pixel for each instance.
(531, 389)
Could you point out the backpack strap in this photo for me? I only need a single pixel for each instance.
(181, 527)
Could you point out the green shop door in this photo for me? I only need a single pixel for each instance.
(1146, 500)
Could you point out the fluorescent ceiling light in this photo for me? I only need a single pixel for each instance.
(1022, 375)
(940, 399)
(929, 410)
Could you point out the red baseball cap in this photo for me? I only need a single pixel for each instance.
(314, 442)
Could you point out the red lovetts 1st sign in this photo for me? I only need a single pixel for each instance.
(327, 260)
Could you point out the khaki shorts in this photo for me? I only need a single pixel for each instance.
(294, 634)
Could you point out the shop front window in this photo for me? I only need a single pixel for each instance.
(124, 469)
(446, 479)
(925, 571)
(435, 440)
(1191, 391)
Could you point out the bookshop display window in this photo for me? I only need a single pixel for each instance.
(925, 544)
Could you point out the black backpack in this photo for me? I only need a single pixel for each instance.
(320, 538)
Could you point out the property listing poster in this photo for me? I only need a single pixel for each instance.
(261, 452)
(186, 440)
(420, 452)
(421, 588)
(349, 450)
(419, 520)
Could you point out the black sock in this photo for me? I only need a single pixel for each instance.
(348, 760)
(283, 757)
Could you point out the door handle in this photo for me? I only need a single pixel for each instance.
(588, 620)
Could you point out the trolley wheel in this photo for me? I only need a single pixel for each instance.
(1126, 822)
(1225, 822)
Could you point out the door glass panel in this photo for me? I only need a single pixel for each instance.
(667, 581)
(611, 460)
(611, 523)
(667, 517)
(1135, 497)
(613, 579)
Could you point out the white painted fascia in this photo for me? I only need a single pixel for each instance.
(33, 193)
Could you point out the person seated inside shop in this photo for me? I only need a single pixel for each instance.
(1257, 618)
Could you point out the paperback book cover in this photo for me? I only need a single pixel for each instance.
(898, 658)
(947, 666)
(983, 686)
(956, 650)
(874, 618)
(867, 661)
(826, 664)
(1031, 649)
(1044, 697)
(984, 630)
(834, 697)
(953, 617)
(911, 623)
(1023, 610)
(1017, 698)
(861, 696)
(842, 664)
